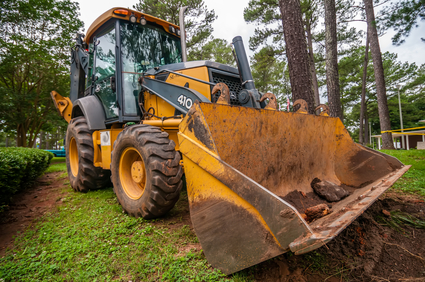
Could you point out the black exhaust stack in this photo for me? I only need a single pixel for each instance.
(250, 93)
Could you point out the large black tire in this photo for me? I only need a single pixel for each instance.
(146, 171)
(83, 175)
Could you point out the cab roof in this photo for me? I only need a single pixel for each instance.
(110, 15)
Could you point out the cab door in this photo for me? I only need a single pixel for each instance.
(105, 70)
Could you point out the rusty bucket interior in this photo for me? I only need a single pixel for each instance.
(261, 166)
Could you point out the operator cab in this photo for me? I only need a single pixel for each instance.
(144, 43)
(123, 45)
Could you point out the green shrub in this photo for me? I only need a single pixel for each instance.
(19, 167)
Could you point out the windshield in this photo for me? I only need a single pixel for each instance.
(145, 47)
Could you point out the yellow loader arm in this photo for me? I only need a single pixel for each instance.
(62, 104)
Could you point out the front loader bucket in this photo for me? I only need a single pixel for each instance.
(249, 176)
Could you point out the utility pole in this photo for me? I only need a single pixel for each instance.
(370, 132)
(401, 117)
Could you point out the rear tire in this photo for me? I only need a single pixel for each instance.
(146, 171)
(83, 175)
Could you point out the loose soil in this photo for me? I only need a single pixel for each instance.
(29, 205)
(368, 250)
(302, 201)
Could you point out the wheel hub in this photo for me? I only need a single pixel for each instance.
(132, 173)
(137, 172)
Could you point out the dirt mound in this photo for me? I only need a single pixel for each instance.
(375, 247)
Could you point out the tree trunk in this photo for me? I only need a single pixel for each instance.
(296, 52)
(57, 138)
(42, 139)
(21, 136)
(312, 65)
(366, 135)
(384, 116)
(363, 103)
(332, 78)
(47, 141)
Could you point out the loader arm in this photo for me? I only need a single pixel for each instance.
(181, 98)
(63, 105)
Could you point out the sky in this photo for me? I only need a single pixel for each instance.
(230, 23)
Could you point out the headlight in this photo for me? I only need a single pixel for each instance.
(142, 20)
(133, 18)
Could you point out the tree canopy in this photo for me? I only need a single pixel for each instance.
(403, 16)
(270, 74)
(35, 38)
(198, 19)
(217, 50)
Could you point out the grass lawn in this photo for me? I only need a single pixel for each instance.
(57, 164)
(89, 238)
(413, 181)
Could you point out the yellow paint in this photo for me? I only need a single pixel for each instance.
(132, 173)
(106, 150)
(97, 159)
(63, 105)
(110, 15)
(183, 128)
(199, 73)
(168, 123)
(172, 134)
(164, 109)
(201, 184)
(138, 172)
(395, 130)
(73, 156)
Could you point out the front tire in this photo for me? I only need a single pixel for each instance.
(146, 171)
(83, 175)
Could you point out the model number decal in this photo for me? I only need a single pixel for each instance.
(185, 101)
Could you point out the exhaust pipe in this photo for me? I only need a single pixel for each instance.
(245, 72)
(183, 33)
(243, 65)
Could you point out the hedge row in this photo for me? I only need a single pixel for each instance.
(19, 167)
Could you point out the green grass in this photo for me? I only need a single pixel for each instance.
(398, 219)
(88, 238)
(58, 160)
(57, 164)
(412, 181)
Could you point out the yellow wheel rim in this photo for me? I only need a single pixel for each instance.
(73, 156)
(132, 173)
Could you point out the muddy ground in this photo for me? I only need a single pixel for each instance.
(370, 249)
(29, 205)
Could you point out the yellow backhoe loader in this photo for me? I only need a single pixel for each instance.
(260, 181)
